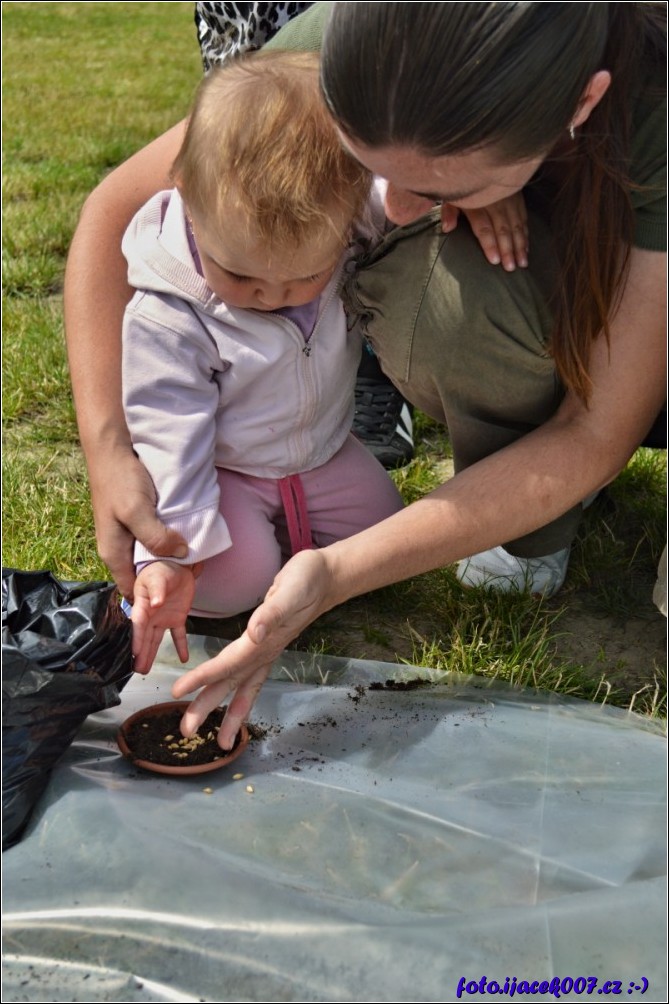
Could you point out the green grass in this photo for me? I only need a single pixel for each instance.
(84, 86)
(48, 521)
(622, 533)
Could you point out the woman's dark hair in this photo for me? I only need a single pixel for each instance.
(444, 78)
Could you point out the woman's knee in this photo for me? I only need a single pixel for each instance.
(451, 330)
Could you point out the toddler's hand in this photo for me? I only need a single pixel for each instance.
(501, 230)
(163, 596)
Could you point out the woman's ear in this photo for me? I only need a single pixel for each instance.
(597, 87)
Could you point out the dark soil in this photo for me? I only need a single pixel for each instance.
(400, 685)
(256, 732)
(158, 739)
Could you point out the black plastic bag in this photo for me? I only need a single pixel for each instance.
(66, 653)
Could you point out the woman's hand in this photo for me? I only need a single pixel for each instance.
(297, 596)
(501, 230)
(124, 506)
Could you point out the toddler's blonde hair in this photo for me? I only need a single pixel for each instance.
(260, 140)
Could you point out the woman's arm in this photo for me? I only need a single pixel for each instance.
(502, 497)
(96, 293)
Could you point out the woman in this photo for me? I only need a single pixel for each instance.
(550, 71)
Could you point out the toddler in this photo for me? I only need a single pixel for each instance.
(239, 361)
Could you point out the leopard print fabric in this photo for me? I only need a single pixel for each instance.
(227, 29)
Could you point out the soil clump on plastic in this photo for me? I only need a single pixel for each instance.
(400, 685)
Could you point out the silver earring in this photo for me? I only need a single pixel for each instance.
(572, 132)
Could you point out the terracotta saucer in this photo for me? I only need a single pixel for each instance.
(175, 709)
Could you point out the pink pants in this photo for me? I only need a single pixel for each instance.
(348, 494)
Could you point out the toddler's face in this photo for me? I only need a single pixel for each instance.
(243, 274)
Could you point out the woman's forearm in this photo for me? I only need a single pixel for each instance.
(540, 476)
(501, 498)
(96, 294)
(96, 291)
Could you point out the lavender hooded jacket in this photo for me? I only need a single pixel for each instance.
(206, 385)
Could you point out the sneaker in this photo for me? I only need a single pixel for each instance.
(383, 422)
(500, 570)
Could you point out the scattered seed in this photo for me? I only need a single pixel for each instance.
(250, 789)
(237, 777)
(169, 739)
(208, 791)
(145, 725)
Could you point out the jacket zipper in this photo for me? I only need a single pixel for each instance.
(310, 396)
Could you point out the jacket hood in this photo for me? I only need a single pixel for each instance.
(158, 251)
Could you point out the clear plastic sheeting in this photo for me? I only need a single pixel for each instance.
(382, 845)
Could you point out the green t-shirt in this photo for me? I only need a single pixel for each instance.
(648, 148)
(303, 33)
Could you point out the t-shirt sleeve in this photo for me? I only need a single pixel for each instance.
(303, 33)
